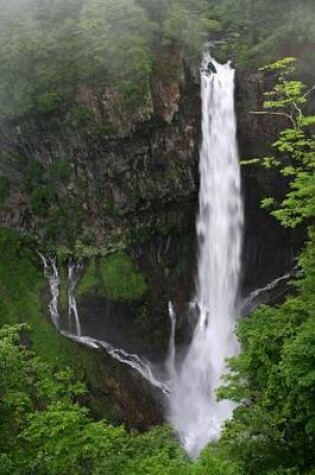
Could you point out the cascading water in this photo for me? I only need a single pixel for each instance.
(52, 275)
(260, 295)
(194, 411)
(170, 361)
(74, 270)
(141, 365)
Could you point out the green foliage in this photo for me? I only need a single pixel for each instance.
(46, 431)
(189, 24)
(48, 49)
(20, 280)
(37, 43)
(41, 199)
(50, 200)
(216, 462)
(55, 174)
(115, 277)
(26, 383)
(122, 279)
(273, 379)
(33, 174)
(21, 286)
(252, 161)
(108, 27)
(258, 28)
(273, 428)
(82, 115)
(295, 146)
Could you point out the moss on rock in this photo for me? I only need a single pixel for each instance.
(115, 276)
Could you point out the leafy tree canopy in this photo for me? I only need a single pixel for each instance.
(273, 428)
(45, 430)
(49, 48)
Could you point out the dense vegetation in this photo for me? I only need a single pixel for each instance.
(273, 379)
(49, 48)
(46, 431)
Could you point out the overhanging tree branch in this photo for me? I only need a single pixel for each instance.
(283, 114)
(309, 91)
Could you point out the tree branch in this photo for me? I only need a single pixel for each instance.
(283, 114)
(309, 91)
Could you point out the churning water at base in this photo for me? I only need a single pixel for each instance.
(194, 411)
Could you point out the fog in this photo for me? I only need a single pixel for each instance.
(49, 48)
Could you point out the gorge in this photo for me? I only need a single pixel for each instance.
(157, 237)
(189, 383)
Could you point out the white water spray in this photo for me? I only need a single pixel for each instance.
(194, 411)
(140, 365)
(170, 361)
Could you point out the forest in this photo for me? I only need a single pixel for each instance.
(49, 48)
(102, 128)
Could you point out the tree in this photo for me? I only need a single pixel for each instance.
(295, 146)
(188, 24)
(273, 379)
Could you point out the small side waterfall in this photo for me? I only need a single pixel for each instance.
(74, 270)
(194, 411)
(260, 295)
(52, 275)
(140, 365)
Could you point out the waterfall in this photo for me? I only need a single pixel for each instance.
(170, 361)
(52, 275)
(260, 295)
(194, 411)
(140, 365)
(74, 269)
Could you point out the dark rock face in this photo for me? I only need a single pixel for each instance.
(269, 250)
(112, 187)
(128, 160)
(124, 397)
(141, 325)
(146, 162)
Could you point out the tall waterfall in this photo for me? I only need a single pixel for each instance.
(194, 411)
(190, 385)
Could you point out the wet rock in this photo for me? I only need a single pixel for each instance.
(142, 162)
